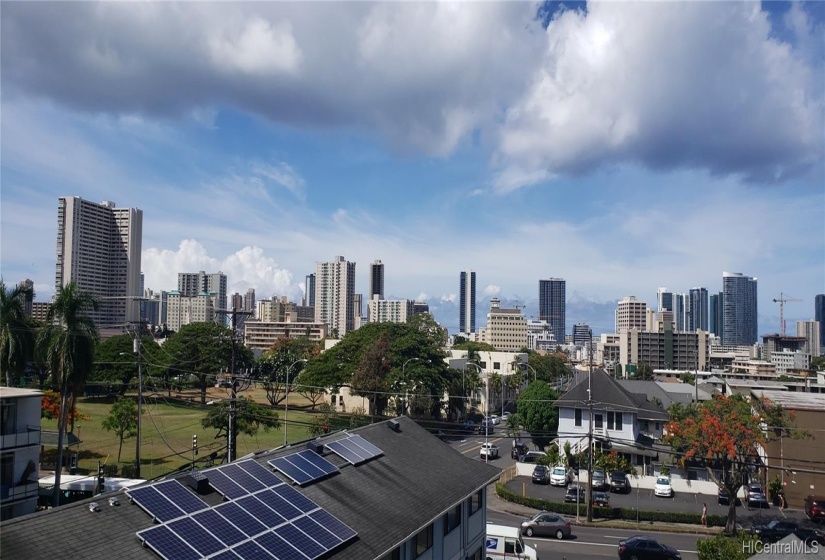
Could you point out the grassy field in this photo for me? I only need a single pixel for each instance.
(167, 429)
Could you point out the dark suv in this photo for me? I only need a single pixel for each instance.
(519, 449)
(815, 508)
(599, 479)
(619, 482)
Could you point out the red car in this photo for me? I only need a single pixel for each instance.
(815, 507)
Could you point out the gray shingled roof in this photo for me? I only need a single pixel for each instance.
(608, 394)
(386, 500)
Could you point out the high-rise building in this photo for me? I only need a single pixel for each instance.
(698, 309)
(739, 321)
(184, 310)
(680, 310)
(249, 301)
(390, 310)
(552, 305)
(506, 328)
(98, 248)
(581, 334)
(358, 306)
(664, 299)
(631, 314)
(819, 317)
(467, 302)
(376, 280)
(715, 313)
(27, 284)
(191, 284)
(810, 331)
(237, 302)
(335, 295)
(309, 291)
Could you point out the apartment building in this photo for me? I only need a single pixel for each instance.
(631, 314)
(335, 295)
(665, 349)
(506, 328)
(19, 451)
(183, 310)
(389, 310)
(261, 335)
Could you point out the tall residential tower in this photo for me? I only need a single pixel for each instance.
(819, 317)
(376, 280)
(552, 306)
(698, 317)
(467, 302)
(335, 295)
(98, 248)
(738, 309)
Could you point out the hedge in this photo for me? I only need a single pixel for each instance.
(610, 512)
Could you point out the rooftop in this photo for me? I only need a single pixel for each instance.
(15, 393)
(794, 399)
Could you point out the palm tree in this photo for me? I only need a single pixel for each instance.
(68, 342)
(16, 334)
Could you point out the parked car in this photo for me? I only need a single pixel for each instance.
(494, 418)
(646, 548)
(598, 479)
(469, 426)
(601, 499)
(532, 456)
(756, 496)
(518, 450)
(619, 482)
(487, 426)
(505, 417)
(489, 451)
(541, 475)
(778, 529)
(722, 497)
(547, 524)
(575, 490)
(663, 487)
(815, 507)
(560, 476)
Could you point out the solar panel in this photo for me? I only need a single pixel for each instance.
(318, 462)
(220, 527)
(279, 504)
(242, 478)
(180, 496)
(304, 467)
(333, 525)
(278, 547)
(244, 521)
(300, 540)
(196, 536)
(340, 448)
(155, 503)
(261, 473)
(317, 532)
(167, 544)
(260, 511)
(295, 498)
(226, 555)
(364, 444)
(225, 485)
(290, 469)
(251, 551)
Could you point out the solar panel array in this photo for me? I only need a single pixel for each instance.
(354, 449)
(304, 467)
(265, 518)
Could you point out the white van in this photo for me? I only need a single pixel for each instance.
(506, 543)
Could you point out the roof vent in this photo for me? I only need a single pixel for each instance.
(114, 502)
(394, 425)
(316, 445)
(198, 482)
(94, 506)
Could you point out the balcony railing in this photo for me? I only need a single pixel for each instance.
(29, 436)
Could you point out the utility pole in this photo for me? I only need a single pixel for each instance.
(137, 346)
(590, 435)
(232, 432)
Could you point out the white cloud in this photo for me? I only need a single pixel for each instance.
(283, 174)
(614, 85)
(451, 298)
(257, 47)
(422, 296)
(492, 290)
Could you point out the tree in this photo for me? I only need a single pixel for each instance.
(722, 547)
(68, 342)
(200, 349)
(474, 347)
(818, 363)
(122, 420)
(17, 340)
(116, 361)
(283, 360)
(371, 378)
(249, 417)
(538, 413)
(549, 368)
(723, 433)
(644, 372)
(496, 387)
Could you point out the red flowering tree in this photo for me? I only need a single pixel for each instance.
(722, 433)
(50, 408)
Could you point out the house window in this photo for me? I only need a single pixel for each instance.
(475, 502)
(423, 541)
(578, 415)
(646, 425)
(618, 420)
(610, 416)
(483, 365)
(657, 426)
(599, 422)
(496, 366)
(452, 519)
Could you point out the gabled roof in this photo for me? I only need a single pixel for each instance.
(385, 500)
(608, 394)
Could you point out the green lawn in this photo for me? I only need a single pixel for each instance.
(166, 440)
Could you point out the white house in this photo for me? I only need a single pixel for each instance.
(622, 421)
(19, 451)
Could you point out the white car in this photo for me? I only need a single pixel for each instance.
(663, 487)
(560, 476)
(496, 420)
(489, 450)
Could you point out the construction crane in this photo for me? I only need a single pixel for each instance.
(783, 299)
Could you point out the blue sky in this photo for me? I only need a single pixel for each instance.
(621, 146)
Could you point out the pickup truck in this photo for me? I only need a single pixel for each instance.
(489, 450)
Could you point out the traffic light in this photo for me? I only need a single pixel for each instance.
(100, 477)
(195, 443)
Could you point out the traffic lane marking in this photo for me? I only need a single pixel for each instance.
(588, 543)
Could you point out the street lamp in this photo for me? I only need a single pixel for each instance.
(286, 404)
(404, 381)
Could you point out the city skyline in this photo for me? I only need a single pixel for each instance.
(260, 171)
